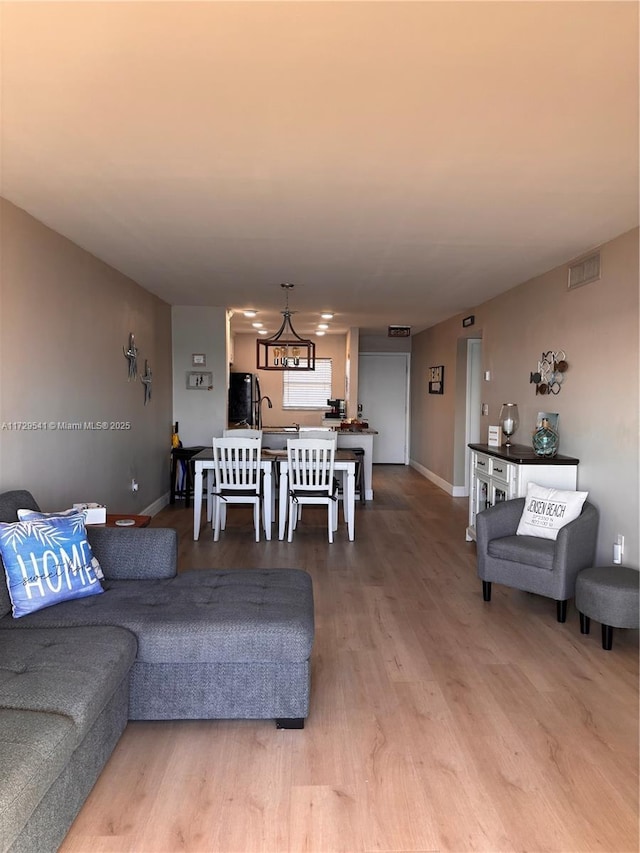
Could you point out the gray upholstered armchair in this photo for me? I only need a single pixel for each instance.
(542, 566)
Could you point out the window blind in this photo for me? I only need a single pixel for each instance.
(307, 389)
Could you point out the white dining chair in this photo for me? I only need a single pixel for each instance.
(241, 433)
(248, 432)
(229, 432)
(324, 434)
(328, 435)
(310, 465)
(237, 479)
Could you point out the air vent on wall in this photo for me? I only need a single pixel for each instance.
(584, 271)
(399, 331)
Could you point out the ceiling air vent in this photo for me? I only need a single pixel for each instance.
(584, 271)
(399, 331)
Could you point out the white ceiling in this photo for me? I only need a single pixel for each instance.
(398, 162)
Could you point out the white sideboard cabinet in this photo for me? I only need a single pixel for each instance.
(502, 473)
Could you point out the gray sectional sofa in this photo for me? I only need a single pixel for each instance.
(155, 645)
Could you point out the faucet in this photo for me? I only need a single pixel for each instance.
(260, 402)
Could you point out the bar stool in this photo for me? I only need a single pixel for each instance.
(360, 488)
(184, 456)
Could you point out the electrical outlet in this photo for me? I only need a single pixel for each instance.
(485, 408)
(134, 486)
(618, 549)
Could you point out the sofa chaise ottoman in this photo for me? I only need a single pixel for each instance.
(204, 644)
(211, 644)
(64, 698)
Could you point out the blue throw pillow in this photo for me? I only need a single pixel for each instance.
(46, 561)
(31, 514)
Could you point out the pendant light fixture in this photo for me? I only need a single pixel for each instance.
(286, 350)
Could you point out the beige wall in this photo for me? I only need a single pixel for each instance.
(244, 359)
(597, 326)
(64, 319)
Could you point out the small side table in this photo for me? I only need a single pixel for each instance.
(113, 518)
(139, 520)
(610, 595)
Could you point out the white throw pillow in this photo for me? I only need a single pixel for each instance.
(547, 510)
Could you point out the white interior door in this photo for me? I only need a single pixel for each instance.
(383, 392)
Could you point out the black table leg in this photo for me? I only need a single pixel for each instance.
(172, 487)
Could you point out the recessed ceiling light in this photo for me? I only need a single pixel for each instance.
(257, 325)
(327, 316)
(263, 332)
(250, 313)
(323, 325)
(320, 333)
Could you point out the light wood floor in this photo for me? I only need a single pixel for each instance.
(438, 722)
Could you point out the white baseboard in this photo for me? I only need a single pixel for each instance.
(454, 491)
(155, 507)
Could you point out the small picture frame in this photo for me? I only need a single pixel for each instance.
(494, 436)
(199, 380)
(436, 379)
(552, 417)
(198, 359)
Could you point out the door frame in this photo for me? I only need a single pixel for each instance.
(473, 402)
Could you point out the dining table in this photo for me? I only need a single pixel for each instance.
(345, 461)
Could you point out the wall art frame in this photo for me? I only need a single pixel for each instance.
(199, 380)
(436, 379)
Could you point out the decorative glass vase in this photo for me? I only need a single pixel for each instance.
(545, 440)
(509, 421)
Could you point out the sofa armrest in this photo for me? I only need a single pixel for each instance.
(498, 521)
(135, 553)
(576, 543)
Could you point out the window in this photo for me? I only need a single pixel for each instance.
(307, 389)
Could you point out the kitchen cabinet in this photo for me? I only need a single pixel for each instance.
(503, 473)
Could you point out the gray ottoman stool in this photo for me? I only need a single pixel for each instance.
(608, 594)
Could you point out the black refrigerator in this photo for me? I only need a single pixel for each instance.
(244, 397)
